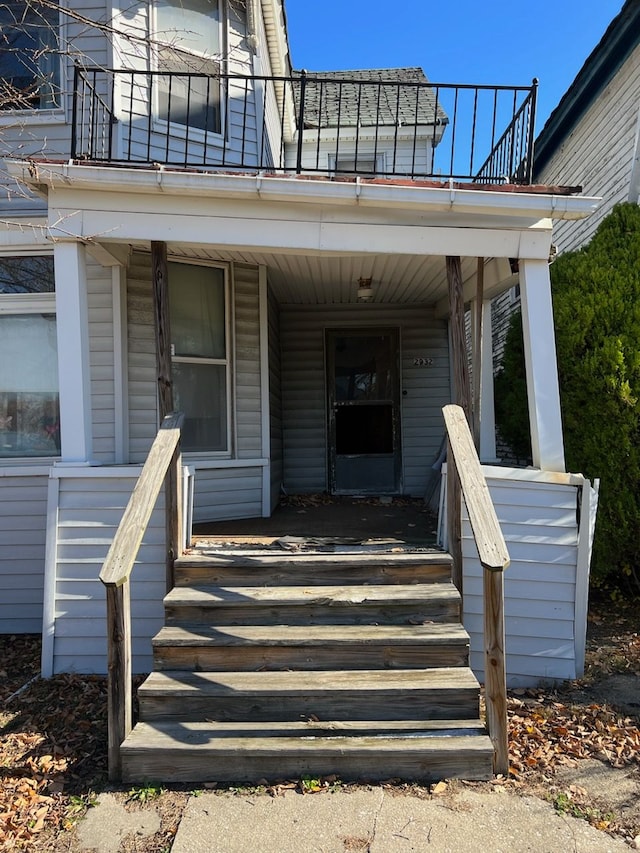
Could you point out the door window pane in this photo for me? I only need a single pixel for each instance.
(29, 407)
(363, 368)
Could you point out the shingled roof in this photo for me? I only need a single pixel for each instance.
(370, 98)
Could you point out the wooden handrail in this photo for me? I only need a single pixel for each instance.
(163, 459)
(494, 558)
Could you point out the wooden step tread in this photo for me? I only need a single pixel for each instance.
(178, 683)
(183, 752)
(216, 558)
(209, 595)
(327, 728)
(435, 633)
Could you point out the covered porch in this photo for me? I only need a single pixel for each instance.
(293, 253)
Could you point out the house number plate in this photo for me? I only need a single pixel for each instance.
(422, 362)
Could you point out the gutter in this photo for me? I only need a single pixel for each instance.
(278, 188)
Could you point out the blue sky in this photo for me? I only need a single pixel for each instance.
(458, 41)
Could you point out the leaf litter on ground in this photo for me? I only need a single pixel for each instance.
(53, 740)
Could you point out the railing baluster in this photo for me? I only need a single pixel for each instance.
(74, 110)
(337, 155)
(453, 133)
(319, 125)
(375, 142)
(303, 83)
(473, 130)
(244, 121)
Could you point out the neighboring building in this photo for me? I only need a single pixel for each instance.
(307, 219)
(592, 137)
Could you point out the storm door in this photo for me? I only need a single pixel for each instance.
(363, 411)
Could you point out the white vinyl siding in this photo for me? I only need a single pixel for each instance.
(398, 156)
(101, 347)
(304, 396)
(23, 517)
(142, 383)
(539, 523)
(225, 493)
(275, 401)
(238, 107)
(89, 509)
(598, 153)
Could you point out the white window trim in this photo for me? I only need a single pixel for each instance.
(229, 453)
(213, 138)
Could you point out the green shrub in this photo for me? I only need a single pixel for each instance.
(596, 296)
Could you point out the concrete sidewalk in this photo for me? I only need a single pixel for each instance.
(375, 820)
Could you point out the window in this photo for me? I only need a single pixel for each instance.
(29, 55)
(29, 405)
(190, 32)
(367, 165)
(200, 355)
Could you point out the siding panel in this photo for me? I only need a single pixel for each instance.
(23, 516)
(83, 542)
(540, 583)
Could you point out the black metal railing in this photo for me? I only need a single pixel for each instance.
(332, 125)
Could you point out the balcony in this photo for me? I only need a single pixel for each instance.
(332, 125)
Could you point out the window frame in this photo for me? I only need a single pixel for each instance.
(50, 114)
(227, 361)
(14, 304)
(192, 133)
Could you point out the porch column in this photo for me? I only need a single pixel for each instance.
(73, 352)
(541, 366)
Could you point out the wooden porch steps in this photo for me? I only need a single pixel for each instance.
(276, 665)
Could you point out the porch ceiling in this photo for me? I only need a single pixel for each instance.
(317, 280)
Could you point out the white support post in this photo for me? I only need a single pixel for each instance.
(487, 451)
(73, 352)
(541, 366)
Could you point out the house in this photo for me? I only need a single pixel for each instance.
(592, 137)
(591, 140)
(310, 239)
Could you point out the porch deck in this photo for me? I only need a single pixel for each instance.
(325, 522)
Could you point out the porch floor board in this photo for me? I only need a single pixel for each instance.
(398, 520)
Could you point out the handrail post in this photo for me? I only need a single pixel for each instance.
(454, 519)
(119, 704)
(173, 496)
(495, 675)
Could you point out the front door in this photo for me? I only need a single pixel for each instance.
(363, 411)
